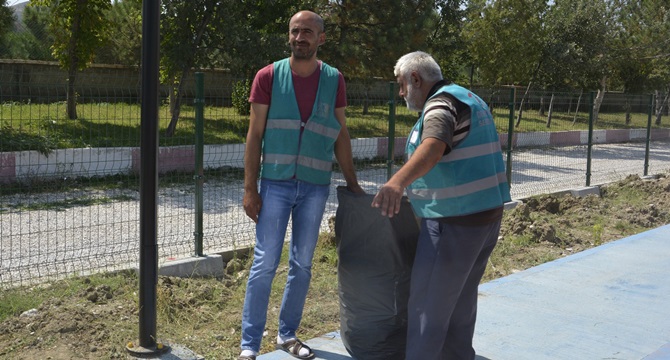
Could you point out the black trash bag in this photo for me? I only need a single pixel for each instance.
(375, 263)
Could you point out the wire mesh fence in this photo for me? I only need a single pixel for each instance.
(69, 198)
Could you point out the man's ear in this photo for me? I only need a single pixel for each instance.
(322, 38)
(415, 79)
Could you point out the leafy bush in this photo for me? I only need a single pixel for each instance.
(240, 96)
(18, 140)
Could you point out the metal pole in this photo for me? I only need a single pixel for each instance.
(590, 142)
(148, 271)
(646, 150)
(510, 137)
(199, 156)
(390, 159)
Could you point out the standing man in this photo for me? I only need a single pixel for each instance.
(456, 183)
(297, 123)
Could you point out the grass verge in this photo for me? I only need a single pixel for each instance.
(44, 127)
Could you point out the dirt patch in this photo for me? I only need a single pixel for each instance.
(547, 227)
(96, 317)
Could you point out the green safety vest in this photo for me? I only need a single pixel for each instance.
(470, 178)
(291, 148)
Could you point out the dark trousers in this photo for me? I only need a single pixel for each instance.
(450, 261)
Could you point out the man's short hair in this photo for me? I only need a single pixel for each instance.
(422, 63)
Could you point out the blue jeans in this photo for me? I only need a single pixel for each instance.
(305, 204)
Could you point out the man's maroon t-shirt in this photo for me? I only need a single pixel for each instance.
(305, 90)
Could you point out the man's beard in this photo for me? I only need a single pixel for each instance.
(412, 103)
(302, 53)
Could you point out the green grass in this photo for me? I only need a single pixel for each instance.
(44, 127)
(15, 301)
(532, 121)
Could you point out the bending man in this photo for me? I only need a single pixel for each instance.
(456, 183)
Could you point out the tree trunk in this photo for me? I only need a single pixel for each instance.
(71, 93)
(518, 118)
(599, 99)
(491, 97)
(532, 78)
(660, 104)
(472, 74)
(366, 102)
(542, 104)
(569, 106)
(627, 108)
(579, 100)
(551, 110)
(175, 104)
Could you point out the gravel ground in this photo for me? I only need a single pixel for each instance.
(36, 245)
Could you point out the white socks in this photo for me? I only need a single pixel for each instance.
(281, 340)
(248, 353)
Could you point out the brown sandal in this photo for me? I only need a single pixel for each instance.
(293, 347)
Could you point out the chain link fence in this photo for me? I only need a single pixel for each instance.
(69, 198)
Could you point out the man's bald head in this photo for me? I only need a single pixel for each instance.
(307, 15)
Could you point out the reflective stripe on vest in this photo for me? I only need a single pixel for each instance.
(471, 178)
(289, 151)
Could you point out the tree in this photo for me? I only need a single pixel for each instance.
(7, 19)
(365, 38)
(124, 43)
(575, 38)
(256, 33)
(445, 42)
(79, 28)
(35, 41)
(598, 53)
(242, 35)
(185, 28)
(646, 26)
(505, 39)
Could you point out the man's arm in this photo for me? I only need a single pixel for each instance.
(252, 160)
(343, 153)
(424, 158)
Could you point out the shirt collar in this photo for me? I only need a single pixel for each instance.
(436, 87)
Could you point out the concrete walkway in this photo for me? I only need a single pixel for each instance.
(608, 302)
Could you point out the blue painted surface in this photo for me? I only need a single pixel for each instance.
(661, 354)
(328, 346)
(608, 302)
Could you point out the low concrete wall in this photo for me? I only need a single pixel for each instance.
(45, 81)
(25, 166)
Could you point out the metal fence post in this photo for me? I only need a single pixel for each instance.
(149, 149)
(646, 150)
(199, 103)
(510, 133)
(590, 141)
(391, 136)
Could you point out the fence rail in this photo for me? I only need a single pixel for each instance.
(69, 189)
